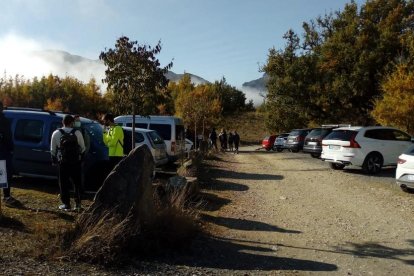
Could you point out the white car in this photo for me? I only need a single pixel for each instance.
(368, 147)
(150, 138)
(405, 170)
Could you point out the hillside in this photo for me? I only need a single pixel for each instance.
(249, 125)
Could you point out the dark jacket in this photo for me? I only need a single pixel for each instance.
(6, 139)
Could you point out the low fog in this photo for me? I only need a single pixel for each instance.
(30, 58)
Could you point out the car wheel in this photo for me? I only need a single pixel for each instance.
(294, 150)
(274, 148)
(336, 166)
(267, 149)
(373, 163)
(279, 149)
(407, 190)
(315, 155)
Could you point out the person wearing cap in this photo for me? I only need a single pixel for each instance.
(68, 172)
(113, 138)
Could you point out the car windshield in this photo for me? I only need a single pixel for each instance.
(155, 138)
(342, 135)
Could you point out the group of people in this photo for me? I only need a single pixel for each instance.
(68, 152)
(229, 142)
(69, 146)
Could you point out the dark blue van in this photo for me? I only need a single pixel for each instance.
(32, 130)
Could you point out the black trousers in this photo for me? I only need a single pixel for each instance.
(70, 174)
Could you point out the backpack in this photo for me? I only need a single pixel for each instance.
(69, 147)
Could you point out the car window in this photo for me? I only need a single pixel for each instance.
(28, 130)
(139, 138)
(155, 138)
(179, 132)
(164, 130)
(401, 136)
(138, 125)
(341, 135)
(379, 134)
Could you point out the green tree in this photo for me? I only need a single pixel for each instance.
(135, 75)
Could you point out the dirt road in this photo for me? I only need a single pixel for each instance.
(290, 214)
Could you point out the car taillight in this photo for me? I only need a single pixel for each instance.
(401, 161)
(353, 143)
(173, 147)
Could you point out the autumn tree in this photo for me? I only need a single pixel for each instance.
(135, 76)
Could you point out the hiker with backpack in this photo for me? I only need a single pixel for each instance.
(113, 137)
(67, 148)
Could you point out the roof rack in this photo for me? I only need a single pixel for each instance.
(29, 109)
(337, 125)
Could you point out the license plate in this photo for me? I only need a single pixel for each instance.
(334, 147)
(410, 177)
(312, 143)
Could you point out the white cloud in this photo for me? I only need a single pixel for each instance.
(29, 58)
(253, 94)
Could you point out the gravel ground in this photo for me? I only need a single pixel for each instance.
(283, 213)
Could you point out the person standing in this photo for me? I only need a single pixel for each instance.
(230, 141)
(213, 138)
(6, 153)
(66, 147)
(113, 138)
(236, 140)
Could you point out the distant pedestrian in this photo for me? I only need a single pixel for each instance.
(213, 138)
(66, 147)
(223, 140)
(231, 140)
(236, 140)
(6, 153)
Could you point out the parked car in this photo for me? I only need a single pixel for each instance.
(268, 142)
(280, 142)
(150, 138)
(313, 141)
(170, 128)
(296, 139)
(32, 130)
(368, 147)
(405, 170)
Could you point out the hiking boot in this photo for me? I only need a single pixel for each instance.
(10, 201)
(64, 207)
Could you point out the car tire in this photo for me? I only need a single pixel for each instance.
(279, 149)
(407, 190)
(274, 148)
(267, 149)
(294, 150)
(336, 166)
(373, 163)
(315, 155)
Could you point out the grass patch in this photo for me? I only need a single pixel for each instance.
(249, 125)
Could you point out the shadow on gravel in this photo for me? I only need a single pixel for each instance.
(246, 225)
(385, 172)
(376, 250)
(307, 170)
(216, 253)
(246, 176)
(218, 185)
(211, 202)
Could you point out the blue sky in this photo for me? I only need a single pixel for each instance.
(209, 38)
